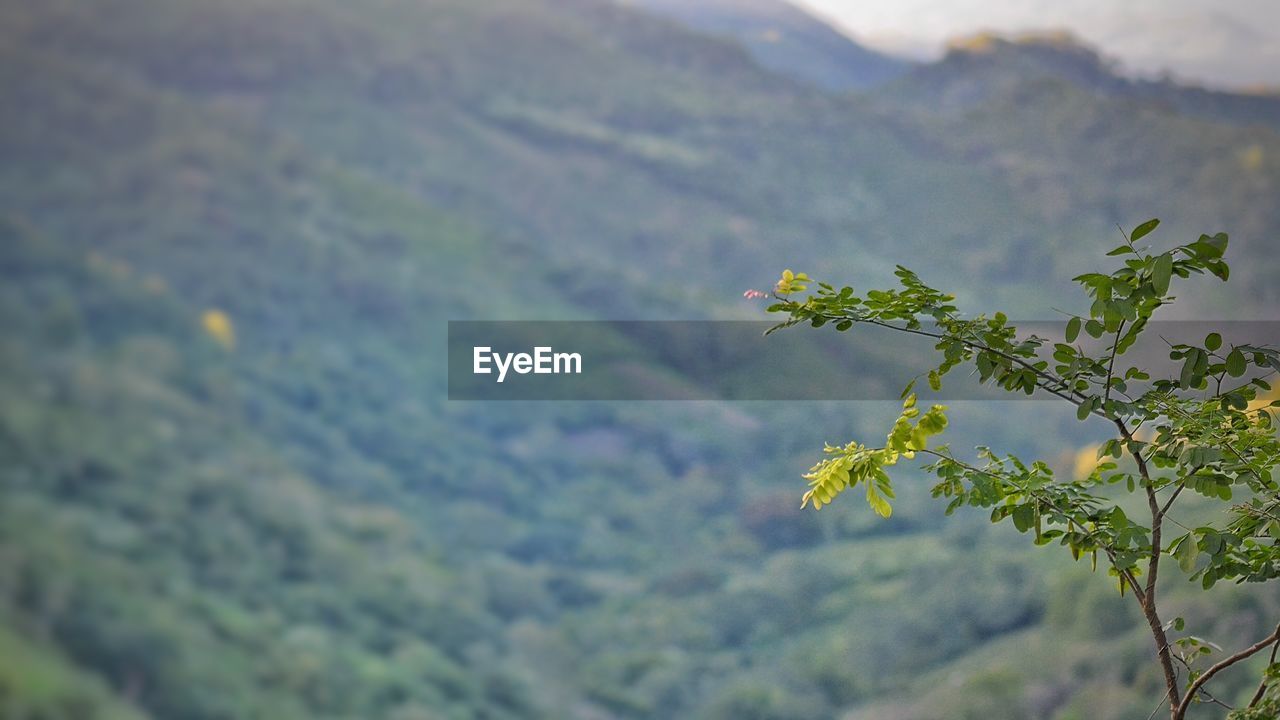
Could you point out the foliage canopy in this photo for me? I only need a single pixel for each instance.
(1203, 429)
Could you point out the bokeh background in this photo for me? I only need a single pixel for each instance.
(232, 233)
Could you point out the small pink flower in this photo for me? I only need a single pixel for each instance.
(755, 294)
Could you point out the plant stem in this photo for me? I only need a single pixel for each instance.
(1180, 711)
(1148, 603)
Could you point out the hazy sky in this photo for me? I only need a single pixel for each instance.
(1230, 42)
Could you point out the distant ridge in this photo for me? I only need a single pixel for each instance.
(785, 39)
(982, 65)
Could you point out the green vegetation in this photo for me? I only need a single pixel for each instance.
(1201, 431)
(230, 485)
(786, 39)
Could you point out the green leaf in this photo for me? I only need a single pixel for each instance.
(1186, 553)
(1235, 363)
(878, 503)
(1188, 376)
(1161, 274)
(1213, 341)
(1213, 247)
(1143, 230)
(1085, 408)
(1073, 329)
(1024, 516)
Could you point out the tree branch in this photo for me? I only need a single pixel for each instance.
(1203, 690)
(1262, 686)
(1138, 593)
(1169, 502)
(1051, 383)
(1149, 610)
(1181, 710)
(1111, 364)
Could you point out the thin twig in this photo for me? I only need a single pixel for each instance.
(1221, 665)
(1262, 686)
(1168, 503)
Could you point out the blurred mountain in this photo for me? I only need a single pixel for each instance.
(980, 67)
(786, 39)
(231, 485)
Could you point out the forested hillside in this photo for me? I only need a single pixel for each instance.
(231, 485)
(786, 39)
